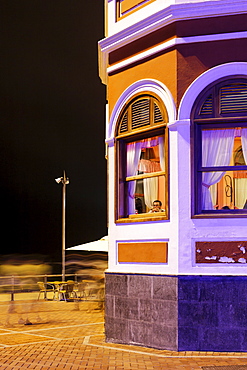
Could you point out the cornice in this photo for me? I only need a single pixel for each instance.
(173, 43)
(169, 15)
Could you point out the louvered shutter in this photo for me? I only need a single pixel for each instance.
(140, 113)
(207, 106)
(124, 123)
(233, 98)
(157, 114)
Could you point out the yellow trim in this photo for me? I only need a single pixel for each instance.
(143, 217)
(145, 176)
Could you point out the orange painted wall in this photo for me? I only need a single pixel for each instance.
(162, 68)
(194, 59)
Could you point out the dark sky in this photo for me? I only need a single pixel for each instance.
(52, 117)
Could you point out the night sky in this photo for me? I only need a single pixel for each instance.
(52, 118)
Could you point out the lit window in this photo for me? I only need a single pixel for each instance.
(126, 7)
(220, 149)
(142, 159)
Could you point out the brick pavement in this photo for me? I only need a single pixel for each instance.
(67, 335)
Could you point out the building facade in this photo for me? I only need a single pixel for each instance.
(176, 132)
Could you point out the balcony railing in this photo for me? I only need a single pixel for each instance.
(26, 287)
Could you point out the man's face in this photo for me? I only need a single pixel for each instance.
(156, 205)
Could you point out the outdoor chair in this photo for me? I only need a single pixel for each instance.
(70, 290)
(79, 289)
(45, 288)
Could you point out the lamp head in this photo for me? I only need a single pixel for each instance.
(58, 180)
(64, 180)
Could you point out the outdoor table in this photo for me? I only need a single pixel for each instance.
(60, 289)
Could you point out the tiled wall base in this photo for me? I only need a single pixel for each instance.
(141, 309)
(177, 312)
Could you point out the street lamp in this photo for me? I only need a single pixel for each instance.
(65, 181)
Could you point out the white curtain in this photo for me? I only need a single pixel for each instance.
(151, 185)
(162, 153)
(133, 156)
(213, 192)
(240, 192)
(134, 164)
(241, 183)
(244, 143)
(217, 146)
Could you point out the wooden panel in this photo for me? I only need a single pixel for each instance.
(221, 252)
(143, 252)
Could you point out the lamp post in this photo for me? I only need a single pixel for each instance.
(65, 181)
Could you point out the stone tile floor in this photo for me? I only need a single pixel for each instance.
(231, 367)
(70, 335)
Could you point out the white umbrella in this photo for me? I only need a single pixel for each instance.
(100, 245)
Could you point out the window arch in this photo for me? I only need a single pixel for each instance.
(143, 112)
(219, 118)
(142, 163)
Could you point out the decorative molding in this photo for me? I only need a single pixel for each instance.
(162, 18)
(168, 15)
(142, 85)
(175, 42)
(206, 78)
(173, 126)
(110, 141)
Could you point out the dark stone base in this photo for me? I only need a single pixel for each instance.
(180, 313)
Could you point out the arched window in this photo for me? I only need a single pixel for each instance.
(219, 126)
(142, 159)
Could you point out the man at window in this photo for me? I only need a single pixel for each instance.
(157, 204)
(141, 157)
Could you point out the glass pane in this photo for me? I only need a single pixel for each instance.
(220, 146)
(142, 193)
(145, 156)
(228, 190)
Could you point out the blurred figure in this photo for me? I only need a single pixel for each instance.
(138, 205)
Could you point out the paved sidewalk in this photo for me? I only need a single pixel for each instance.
(67, 335)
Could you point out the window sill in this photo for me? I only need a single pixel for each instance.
(220, 215)
(143, 217)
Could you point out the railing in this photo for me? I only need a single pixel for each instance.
(12, 285)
